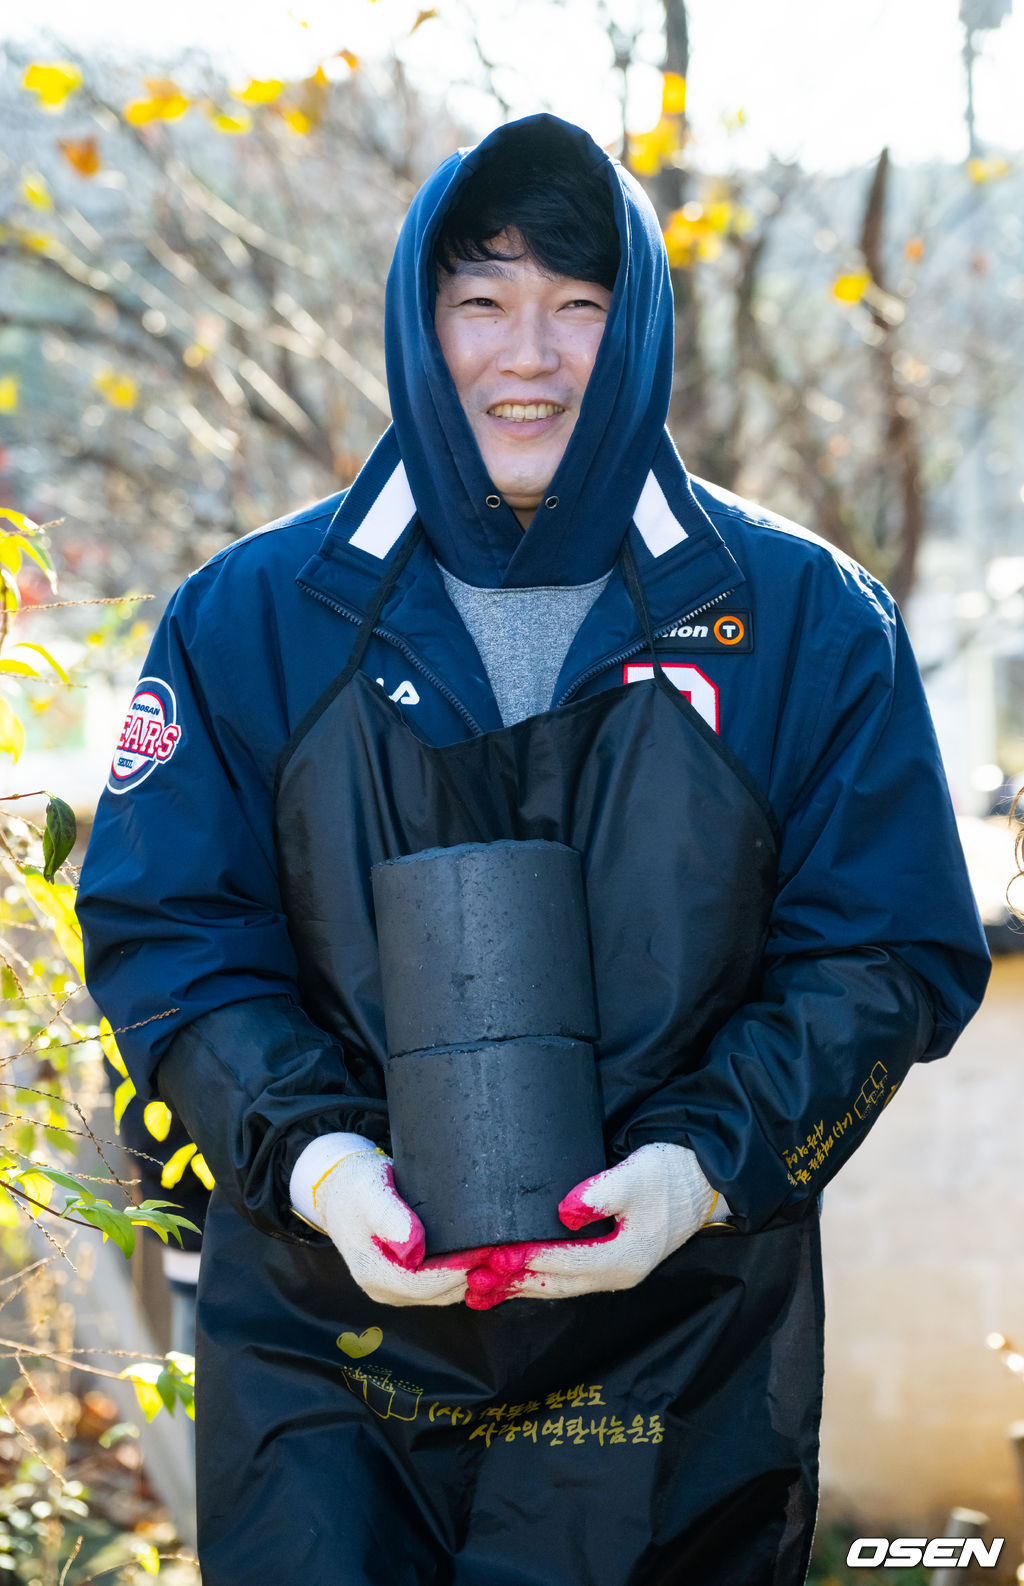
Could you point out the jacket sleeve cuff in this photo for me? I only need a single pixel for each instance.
(313, 1163)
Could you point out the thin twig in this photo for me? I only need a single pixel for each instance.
(63, 1046)
(64, 1217)
(38, 1396)
(105, 600)
(26, 1276)
(30, 1440)
(44, 1261)
(71, 1559)
(69, 1357)
(63, 1128)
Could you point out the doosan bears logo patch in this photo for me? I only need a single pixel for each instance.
(149, 737)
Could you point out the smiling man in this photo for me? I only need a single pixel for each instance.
(525, 620)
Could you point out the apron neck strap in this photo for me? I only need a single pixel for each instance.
(631, 574)
(387, 583)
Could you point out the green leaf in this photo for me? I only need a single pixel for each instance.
(165, 1386)
(67, 1182)
(25, 1138)
(162, 1223)
(59, 836)
(116, 1434)
(112, 1224)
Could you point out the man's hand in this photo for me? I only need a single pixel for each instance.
(658, 1197)
(381, 1238)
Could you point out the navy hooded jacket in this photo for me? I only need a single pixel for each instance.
(787, 649)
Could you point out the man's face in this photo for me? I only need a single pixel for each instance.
(519, 344)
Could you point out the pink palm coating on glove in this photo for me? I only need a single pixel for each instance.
(409, 1252)
(658, 1197)
(494, 1280)
(498, 1277)
(575, 1212)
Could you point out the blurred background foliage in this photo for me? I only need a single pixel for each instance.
(191, 289)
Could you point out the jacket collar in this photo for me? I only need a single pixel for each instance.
(683, 562)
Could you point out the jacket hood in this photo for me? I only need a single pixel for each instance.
(621, 423)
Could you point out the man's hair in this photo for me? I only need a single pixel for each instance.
(560, 207)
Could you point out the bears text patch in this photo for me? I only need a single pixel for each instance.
(149, 737)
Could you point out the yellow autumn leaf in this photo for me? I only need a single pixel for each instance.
(35, 191)
(850, 288)
(38, 1186)
(649, 151)
(120, 390)
(56, 899)
(166, 102)
(351, 60)
(10, 552)
(202, 1172)
(8, 1210)
(25, 644)
(9, 392)
(124, 1093)
(23, 524)
(37, 241)
(176, 1166)
(110, 1050)
(695, 232)
(988, 168)
(18, 669)
(297, 120)
(146, 1555)
(82, 154)
(224, 121)
(259, 91)
(157, 1118)
(52, 82)
(421, 17)
(146, 1391)
(12, 733)
(673, 94)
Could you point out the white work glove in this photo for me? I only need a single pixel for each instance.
(344, 1185)
(658, 1197)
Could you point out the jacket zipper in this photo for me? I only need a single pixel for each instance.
(456, 703)
(410, 655)
(635, 649)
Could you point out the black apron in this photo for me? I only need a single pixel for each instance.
(663, 1434)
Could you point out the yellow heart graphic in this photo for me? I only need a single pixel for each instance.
(356, 1345)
